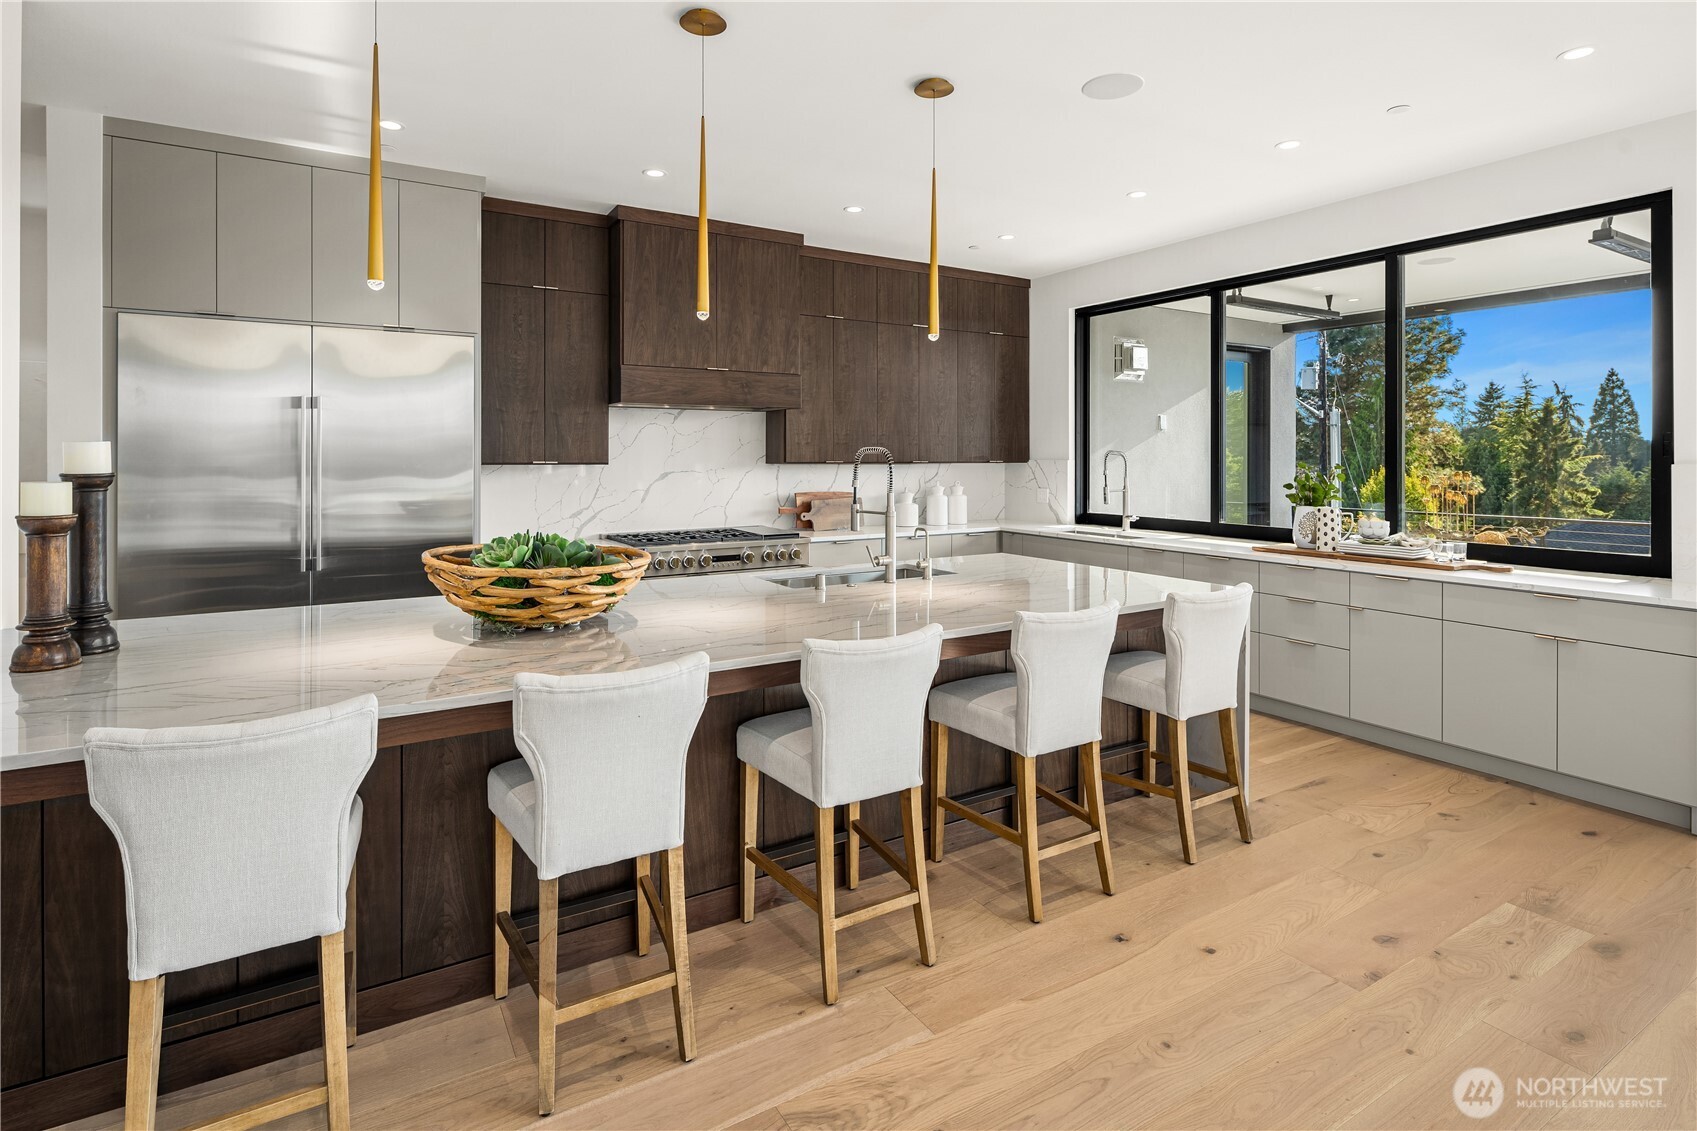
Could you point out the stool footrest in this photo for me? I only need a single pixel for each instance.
(647, 890)
(573, 1010)
(1066, 804)
(1138, 783)
(977, 818)
(1216, 796)
(782, 874)
(874, 910)
(266, 1111)
(1082, 840)
(874, 842)
(522, 954)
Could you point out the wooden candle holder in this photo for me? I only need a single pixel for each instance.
(47, 644)
(89, 604)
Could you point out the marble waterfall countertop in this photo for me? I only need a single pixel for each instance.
(421, 654)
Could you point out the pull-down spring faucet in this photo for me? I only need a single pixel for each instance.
(857, 512)
(1126, 517)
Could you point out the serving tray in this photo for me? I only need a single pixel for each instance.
(1414, 563)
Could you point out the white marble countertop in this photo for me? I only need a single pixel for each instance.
(421, 654)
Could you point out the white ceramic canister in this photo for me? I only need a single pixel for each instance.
(936, 506)
(957, 505)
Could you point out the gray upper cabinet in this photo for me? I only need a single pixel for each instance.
(439, 257)
(164, 242)
(1500, 693)
(339, 293)
(1628, 718)
(1396, 671)
(264, 238)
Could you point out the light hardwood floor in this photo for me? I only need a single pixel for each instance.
(1395, 923)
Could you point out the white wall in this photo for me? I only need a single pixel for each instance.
(76, 178)
(11, 164)
(1647, 158)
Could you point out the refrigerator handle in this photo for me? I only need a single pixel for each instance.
(304, 442)
(317, 483)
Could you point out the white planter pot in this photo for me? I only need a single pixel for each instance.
(1328, 529)
(1302, 524)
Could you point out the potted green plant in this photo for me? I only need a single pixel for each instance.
(1309, 490)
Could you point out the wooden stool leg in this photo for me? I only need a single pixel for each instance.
(939, 785)
(1152, 738)
(851, 846)
(1025, 798)
(351, 955)
(825, 843)
(677, 941)
(644, 916)
(1178, 754)
(330, 975)
(1234, 771)
(503, 902)
(547, 972)
(911, 832)
(141, 1077)
(1090, 791)
(750, 830)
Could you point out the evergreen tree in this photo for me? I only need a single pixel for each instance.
(1552, 479)
(1624, 494)
(1614, 433)
(1482, 453)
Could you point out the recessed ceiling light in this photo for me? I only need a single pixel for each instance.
(1354, 300)
(851, 208)
(387, 148)
(654, 172)
(390, 124)
(1399, 108)
(1435, 260)
(1105, 87)
(1004, 237)
(1138, 195)
(973, 247)
(1289, 143)
(1573, 53)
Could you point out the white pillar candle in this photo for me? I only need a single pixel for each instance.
(36, 499)
(86, 457)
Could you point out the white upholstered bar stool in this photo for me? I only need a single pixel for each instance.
(1197, 676)
(601, 781)
(862, 735)
(236, 839)
(1047, 703)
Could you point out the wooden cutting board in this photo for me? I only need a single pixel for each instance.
(1446, 567)
(804, 501)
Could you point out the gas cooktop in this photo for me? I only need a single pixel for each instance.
(717, 549)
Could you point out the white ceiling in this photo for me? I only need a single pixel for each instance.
(810, 105)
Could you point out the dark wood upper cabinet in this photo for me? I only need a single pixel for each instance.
(978, 397)
(655, 278)
(899, 423)
(939, 404)
(967, 304)
(576, 258)
(575, 377)
(854, 291)
(1013, 310)
(513, 250)
(816, 287)
(513, 345)
(755, 285)
(902, 299)
(1012, 440)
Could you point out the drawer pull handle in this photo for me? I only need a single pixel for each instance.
(540, 287)
(1357, 608)
(1557, 639)
(1554, 597)
(1309, 569)
(1304, 643)
(1216, 557)
(1389, 577)
(837, 316)
(1301, 600)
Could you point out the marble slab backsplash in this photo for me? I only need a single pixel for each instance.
(675, 468)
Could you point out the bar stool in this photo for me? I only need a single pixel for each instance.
(1048, 702)
(601, 780)
(1197, 676)
(235, 839)
(861, 736)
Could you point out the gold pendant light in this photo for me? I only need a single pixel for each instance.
(374, 224)
(933, 89)
(702, 22)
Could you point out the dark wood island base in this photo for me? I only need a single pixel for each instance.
(425, 881)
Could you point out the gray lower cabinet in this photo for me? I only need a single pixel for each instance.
(164, 227)
(1221, 570)
(1500, 693)
(1073, 550)
(339, 223)
(1628, 717)
(264, 238)
(1162, 563)
(1396, 672)
(439, 257)
(1309, 675)
(979, 542)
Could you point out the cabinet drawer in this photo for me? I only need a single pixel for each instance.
(1220, 570)
(1581, 618)
(981, 542)
(1500, 693)
(828, 555)
(1147, 559)
(909, 547)
(1396, 594)
(1306, 581)
(1297, 618)
(1396, 671)
(1068, 550)
(1628, 718)
(1309, 675)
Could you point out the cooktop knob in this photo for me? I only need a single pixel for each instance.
(748, 557)
(768, 555)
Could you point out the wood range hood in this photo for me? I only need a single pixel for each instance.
(746, 356)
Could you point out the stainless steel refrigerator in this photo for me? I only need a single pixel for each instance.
(265, 464)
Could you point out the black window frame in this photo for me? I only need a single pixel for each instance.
(1658, 563)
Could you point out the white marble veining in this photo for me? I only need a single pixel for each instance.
(675, 468)
(423, 655)
(1040, 491)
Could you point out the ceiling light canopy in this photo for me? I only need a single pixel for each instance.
(1573, 53)
(1288, 143)
(1107, 87)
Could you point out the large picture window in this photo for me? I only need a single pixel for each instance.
(1508, 387)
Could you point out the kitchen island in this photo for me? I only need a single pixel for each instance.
(444, 686)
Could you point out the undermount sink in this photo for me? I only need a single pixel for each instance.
(1116, 532)
(825, 578)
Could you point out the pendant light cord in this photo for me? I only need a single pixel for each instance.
(374, 21)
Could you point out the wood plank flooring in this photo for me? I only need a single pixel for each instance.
(1396, 923)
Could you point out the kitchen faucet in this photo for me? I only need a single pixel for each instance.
(1126, 517)
(857, 512)
(923, 565)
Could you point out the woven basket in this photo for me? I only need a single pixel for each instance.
(555, 596)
